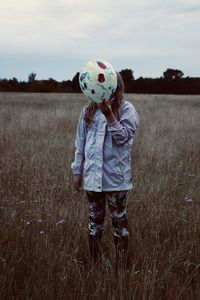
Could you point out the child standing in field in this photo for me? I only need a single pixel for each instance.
(102, 166)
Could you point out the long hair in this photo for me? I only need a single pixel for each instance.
(118, 96)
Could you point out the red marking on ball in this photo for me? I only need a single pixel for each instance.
(101, 78)
(101, 65)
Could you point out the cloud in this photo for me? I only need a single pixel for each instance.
(39, 26)
(46, 25)
(126, 32)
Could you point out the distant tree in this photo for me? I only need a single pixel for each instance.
(52, 80)
(127, 75)
(75, 82)
(15, 80)
(76, 77)
(171, 74)
(32, 77)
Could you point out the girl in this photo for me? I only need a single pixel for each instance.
(103, 163)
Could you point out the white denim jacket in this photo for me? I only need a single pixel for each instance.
(103, 150)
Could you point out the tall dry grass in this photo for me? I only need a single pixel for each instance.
(43, 229)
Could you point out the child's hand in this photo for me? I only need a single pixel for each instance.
(105, 108)
(77, 181)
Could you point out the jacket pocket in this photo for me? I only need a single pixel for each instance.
(124, 161)
(115, 172)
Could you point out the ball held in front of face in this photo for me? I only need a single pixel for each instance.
(98, 80)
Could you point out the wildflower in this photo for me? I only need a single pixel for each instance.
(61, 222)
(33, 221)
(188, 200)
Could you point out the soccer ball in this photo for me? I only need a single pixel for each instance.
(98, 80)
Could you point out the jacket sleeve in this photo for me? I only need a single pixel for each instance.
(123, 130)
(81, 133)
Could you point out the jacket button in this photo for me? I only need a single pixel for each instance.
(99, 187)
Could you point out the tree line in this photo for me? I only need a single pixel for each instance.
(172, 82)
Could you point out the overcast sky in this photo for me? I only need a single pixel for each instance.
(55, 38)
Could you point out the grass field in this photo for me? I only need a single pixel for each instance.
(43, 220)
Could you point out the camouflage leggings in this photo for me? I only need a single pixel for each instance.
(117, 206)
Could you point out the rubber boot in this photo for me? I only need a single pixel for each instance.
(121, 247)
